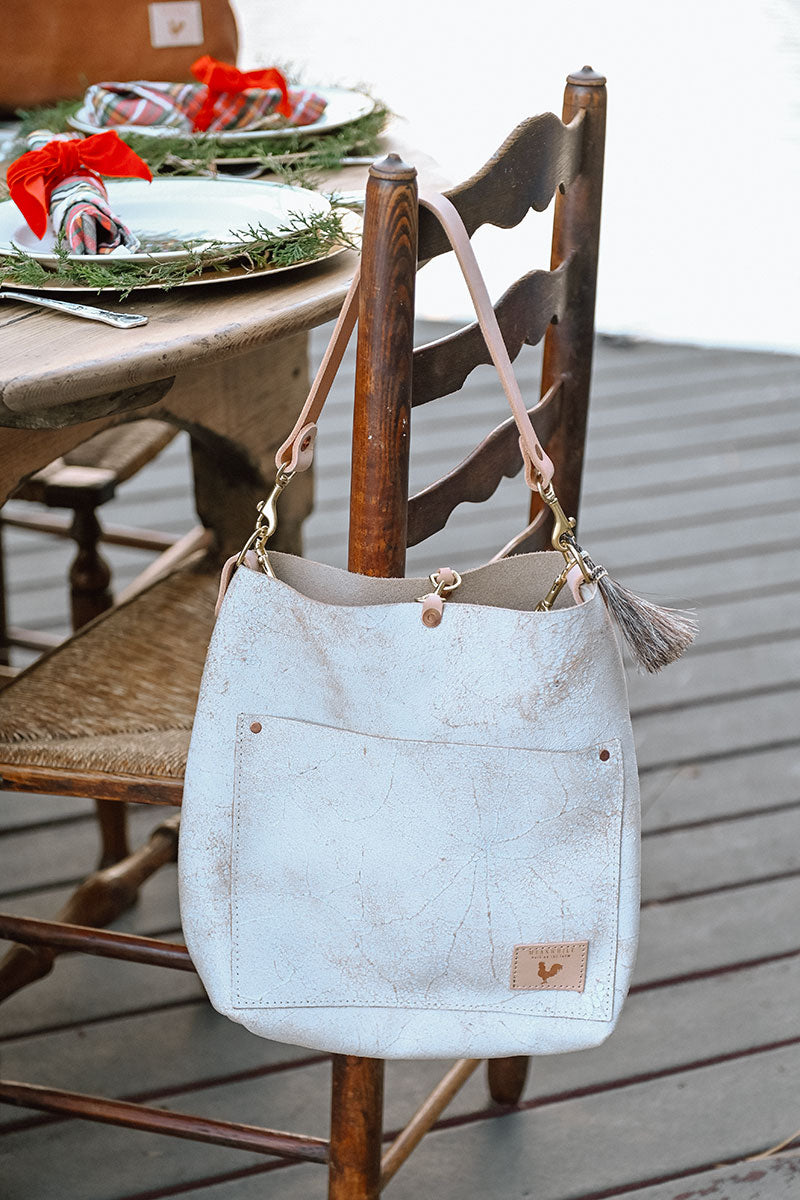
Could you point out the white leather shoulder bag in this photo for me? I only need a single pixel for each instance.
(412, 829)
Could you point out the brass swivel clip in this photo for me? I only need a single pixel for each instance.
(563, 539)
(266, 523)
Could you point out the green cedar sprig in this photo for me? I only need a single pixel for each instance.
(295, 156)
(303, 239)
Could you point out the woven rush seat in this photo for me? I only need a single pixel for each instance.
(110, 457)
(119, 696)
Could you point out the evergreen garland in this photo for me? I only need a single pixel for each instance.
(304, 239)
(296, 156)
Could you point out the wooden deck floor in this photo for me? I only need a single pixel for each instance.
(692, 494)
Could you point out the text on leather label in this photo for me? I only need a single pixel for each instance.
(550, 966)
(176, 23)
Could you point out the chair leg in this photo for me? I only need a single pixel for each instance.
(112, 818)
(507, 1078)
(89, 575)
(5, 649)
(356, 1128)
(90, 595)
(98, 901)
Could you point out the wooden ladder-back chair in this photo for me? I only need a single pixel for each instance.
(82, 481)
(543, 156)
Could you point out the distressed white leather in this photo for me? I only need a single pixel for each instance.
(356, 873)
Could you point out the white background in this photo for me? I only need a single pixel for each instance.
(702, 188)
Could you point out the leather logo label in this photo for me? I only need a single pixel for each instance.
(550, 966)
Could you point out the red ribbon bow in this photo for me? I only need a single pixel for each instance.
(32, 177)
(220, 77)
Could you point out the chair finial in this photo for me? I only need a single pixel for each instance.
(392, 167)
(586, 77)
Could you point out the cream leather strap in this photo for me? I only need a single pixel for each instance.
(297, 451)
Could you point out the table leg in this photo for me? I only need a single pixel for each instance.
(238, 413)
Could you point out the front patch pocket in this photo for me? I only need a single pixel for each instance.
(382, 872)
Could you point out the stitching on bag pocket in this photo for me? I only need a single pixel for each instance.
(280, 908)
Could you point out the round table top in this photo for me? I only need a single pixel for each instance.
(50, 362)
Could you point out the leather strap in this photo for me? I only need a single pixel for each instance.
(297, 451)
(290, 454)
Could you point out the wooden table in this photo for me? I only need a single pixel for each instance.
(226, 361)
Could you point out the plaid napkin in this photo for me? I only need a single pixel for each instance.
(67, 182)
(223, 99)
(307, 106)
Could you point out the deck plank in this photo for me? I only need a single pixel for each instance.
(682, 443)
(766, 845)
(609, 507)
(742, 783)
(725, 672)
(728, 1014)
(74, 850)
(770, 1179)
(20, 810)
(296, 1099)
(570, 1150)
(753, 722)
(723, 929)
(588, 1145)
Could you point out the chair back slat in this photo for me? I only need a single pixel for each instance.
(540, 157)
(478, 476)
(535, 536)
(524, 313)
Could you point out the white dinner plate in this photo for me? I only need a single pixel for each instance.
(343, 107)
(185, 208)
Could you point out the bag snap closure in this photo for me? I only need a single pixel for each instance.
(432, 609)
(444, 581)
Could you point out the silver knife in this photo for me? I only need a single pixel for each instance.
(118, 320)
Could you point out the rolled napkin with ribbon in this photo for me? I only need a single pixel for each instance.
(223, 99)
(61, 175)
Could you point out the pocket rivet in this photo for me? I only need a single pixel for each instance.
(255, 727)
(605, 755)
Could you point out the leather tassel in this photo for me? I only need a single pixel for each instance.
(656, 635)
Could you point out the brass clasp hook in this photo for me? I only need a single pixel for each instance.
(268, 509)
(563, 526)
(563, 539)
(267, 522)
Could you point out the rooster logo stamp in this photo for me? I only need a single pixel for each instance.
(550, 966)
(545, 974)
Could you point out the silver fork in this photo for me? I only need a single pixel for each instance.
(118, 320)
